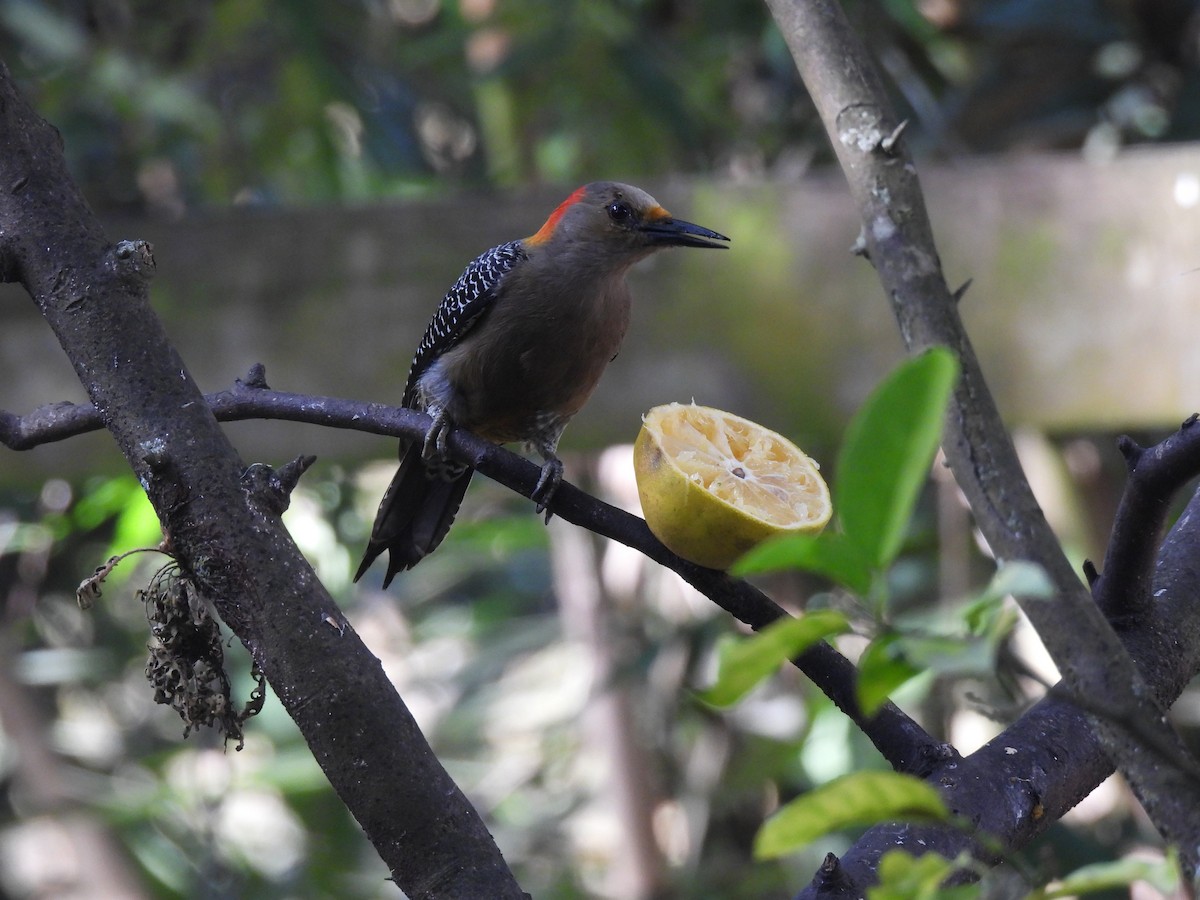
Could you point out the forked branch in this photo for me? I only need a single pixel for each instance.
(897, 238)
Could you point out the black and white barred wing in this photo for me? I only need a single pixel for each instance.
(468, 299)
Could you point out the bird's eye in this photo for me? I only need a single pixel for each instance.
(620, 212)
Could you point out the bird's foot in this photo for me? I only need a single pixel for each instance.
(435, 437)
(548, 482)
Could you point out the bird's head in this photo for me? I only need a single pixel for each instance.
(621, 219)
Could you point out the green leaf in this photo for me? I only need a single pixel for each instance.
(987, 616)
(882, 668)
(863, 798)
(137, 524)
(1021, 579)
(122, 501)
(948, 654)
(742, 663)
(1106, 876)
(903, 876)
(104, 499)
(828, 554)
(887, 453)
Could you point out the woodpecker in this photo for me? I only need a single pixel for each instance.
(515, 350)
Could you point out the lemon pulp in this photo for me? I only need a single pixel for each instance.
(713, 484)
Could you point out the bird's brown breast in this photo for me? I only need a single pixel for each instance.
(537, 358)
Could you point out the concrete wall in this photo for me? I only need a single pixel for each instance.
(1085, 306)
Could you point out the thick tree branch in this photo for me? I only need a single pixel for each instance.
(236, 552)
(1043, 764)
(905, 745)
(83, 285)
(897, 238)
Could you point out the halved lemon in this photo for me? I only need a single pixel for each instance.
(713, 485)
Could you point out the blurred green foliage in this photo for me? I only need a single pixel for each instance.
(294, 101)
(479, 642)
(289, 101)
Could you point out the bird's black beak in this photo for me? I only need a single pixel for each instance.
(669, 232)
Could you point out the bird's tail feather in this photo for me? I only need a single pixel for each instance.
(415, 513)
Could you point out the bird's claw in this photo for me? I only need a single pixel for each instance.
(435, 438)
(548, 482)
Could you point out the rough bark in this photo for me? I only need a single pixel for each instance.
(897, 238)
(224, 529)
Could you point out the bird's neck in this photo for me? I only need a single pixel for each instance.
(566, 264)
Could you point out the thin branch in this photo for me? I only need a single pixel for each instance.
(249, 398)
(898, 237)
(903, 743)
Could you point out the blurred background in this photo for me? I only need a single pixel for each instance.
(314, 176)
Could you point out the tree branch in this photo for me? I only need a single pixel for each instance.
(235, 551)
(903, 743)
(897, 238)
(1155, 475)
(1043, 764)
(83, 286)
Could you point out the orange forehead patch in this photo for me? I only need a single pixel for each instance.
(657, 212)
(543, 233)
